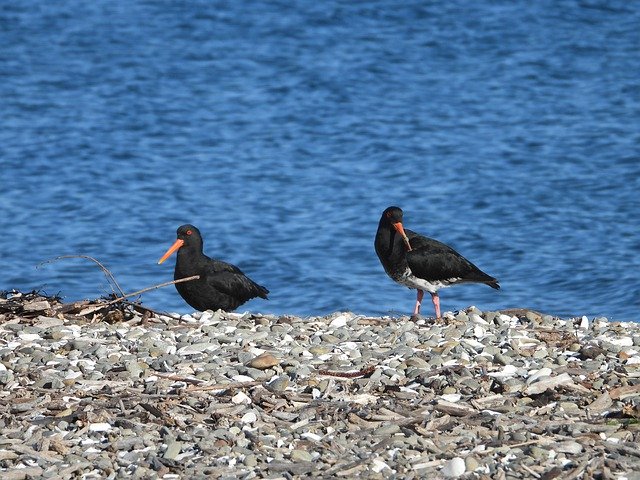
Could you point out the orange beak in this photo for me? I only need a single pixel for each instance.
(176, 245)
(400, 229)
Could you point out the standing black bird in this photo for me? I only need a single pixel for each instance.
(220, 286)
(420, 262)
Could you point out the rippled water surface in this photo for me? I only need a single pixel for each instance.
(508, 130)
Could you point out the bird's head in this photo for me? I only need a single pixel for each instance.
(393, 217)
(187, 235)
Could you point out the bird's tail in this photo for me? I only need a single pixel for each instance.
(262, 292)
(493, 283)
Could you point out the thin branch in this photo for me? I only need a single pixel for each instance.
(160, 285)
(224, 386)
(358, 373)
(105, 270)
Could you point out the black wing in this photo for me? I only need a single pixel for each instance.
(434, 260)
(230, 280)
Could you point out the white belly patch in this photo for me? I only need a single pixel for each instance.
(408, 279)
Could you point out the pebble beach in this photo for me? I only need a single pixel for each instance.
(94, 390)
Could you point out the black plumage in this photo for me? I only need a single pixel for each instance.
(420, 262)
(220, 286)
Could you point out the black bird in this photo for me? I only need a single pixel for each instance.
(220, 286)
(420, 262)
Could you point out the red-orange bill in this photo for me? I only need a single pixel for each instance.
(176, 245)
(398, 226)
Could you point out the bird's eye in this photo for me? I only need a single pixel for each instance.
(189, 232)
(388, 214)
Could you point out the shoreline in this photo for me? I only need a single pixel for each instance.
(113, 392)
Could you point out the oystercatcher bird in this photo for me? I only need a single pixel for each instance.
(422, 263)
(220, 286)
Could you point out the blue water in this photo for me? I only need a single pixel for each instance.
(509, 130)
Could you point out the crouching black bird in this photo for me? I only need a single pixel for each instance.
(422, 263)
(220, 286)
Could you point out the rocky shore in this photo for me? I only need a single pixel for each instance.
(96, 391)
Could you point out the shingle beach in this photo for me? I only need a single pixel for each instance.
(97, 392)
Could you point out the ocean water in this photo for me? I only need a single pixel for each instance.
(509, 130)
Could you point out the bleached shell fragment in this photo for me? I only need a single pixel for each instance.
(29, 337)
(506, 372)
(548, 383)
(362, 399)
(249, 417)
(536, 375)
(473, 343)
(451, 397)
(72, 375)
(475, 318)
(241, 398)
(453, 468)
(197, 348)
(339, 321)
(242, 378)
(584, 323)
(379, 465)
(620, 341)
(479, 332)
(100, 427)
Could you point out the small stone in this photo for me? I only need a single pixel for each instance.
(48, 322)
(501, 359)
(386, 430)
(417, 362)
(601, 404)
(278, 384)
(136, 369)
(532, 316)
(471, 464)
(7, 455)
(319, 350)
(538, 375)
(301, 456)
(329, 338)
(538, 453)
(22, 473)
(173, 449)
(52, 383)
(264, 361)
(548, 383)
(571, 447)
(250, 460)
(36, 306)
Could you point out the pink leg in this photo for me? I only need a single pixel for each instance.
(416, 311)
(436, 303)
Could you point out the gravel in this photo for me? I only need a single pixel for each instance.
(93, 391)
